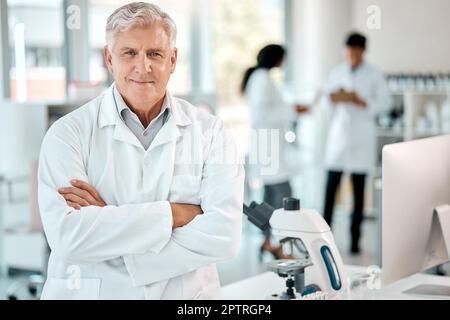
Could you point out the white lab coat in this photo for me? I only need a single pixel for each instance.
(269, 152)
(127, 249)
(352, 135)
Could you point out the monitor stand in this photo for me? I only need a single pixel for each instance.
(442, 213)
(433, 290)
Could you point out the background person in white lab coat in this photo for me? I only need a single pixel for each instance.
(269, 111)
(140, 193)
(357, 92)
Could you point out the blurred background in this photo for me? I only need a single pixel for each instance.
(51, 63)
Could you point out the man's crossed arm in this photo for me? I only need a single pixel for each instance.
(82, 194)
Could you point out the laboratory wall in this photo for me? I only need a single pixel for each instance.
(418, 30)
(316, 33)
(415, 29)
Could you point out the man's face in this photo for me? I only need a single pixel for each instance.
(354, 55)
(141, 63)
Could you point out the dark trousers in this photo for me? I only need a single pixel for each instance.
(358, 182)
(274, 194)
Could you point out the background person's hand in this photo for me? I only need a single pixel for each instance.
(358, 101)
(184, 213)
(341, 95)
(81, 194)
(348, 97)
(300, 108)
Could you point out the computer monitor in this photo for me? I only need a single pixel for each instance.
(416, 180)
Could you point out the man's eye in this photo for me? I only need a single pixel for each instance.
(130, 53)
(155, 54)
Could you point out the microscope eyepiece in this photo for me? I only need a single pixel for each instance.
(291, 204)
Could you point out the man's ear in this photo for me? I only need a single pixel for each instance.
(173, 60)
(108, 59)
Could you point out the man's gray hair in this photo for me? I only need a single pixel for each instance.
(138, 14)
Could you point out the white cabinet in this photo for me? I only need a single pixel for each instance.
(22, 128)
(422, 114)
(414, 114)
(426, 114)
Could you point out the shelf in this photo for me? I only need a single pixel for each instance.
(382, 132)
(389, 133)
(421, 92)
(427, 134)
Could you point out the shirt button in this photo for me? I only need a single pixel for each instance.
(145, 133)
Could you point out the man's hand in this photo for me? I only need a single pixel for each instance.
(81, 194)
(184, 213)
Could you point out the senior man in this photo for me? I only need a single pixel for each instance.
(140, 193)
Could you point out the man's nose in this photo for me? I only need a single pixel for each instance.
(143, 64)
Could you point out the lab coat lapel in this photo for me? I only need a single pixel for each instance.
(170, 132)
(108, 116)
(164, 146)
(162, 151)
(124, 134)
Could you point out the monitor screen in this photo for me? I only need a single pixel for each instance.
(416, 180)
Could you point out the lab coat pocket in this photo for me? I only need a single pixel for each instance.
(71, 289)
(185, 189)
(192, 285)
(201, 284)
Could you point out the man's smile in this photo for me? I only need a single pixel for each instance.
(142, 82)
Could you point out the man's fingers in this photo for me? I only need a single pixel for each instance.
(86, 186)
(184, 213)
(199, 209)
(194, 208)
(73, 205)
(76, 199)
(79, 192)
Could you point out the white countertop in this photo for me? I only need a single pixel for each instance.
(263, 285)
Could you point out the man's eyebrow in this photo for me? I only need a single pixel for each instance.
(126, 48)
(148, 50)
(155, 49)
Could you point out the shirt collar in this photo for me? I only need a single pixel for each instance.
(108, 114)
(358, 68)
(122, 107)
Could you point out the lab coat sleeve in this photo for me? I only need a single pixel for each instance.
(331, 85)
(380, 99)
(270, 109)
(93, 233)
(211, 237)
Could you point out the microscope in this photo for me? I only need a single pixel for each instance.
(316, 268)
